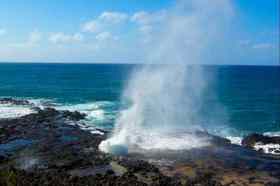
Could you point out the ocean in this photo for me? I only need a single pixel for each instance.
(249, 95)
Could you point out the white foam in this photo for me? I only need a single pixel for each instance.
(272, 134)
(97, 132)
(235, 139)
(96, 112)
(14, 111)
(85, 107)
(166, 142)
(145, 140)
(268, 148)
(42, 103)
(91, 129)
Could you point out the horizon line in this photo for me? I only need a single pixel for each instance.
(124, 63)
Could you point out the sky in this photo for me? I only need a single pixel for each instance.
(123, 31)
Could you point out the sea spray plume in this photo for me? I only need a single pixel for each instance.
(158, 117)
(166, 98)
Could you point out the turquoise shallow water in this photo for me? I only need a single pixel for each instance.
(249, 95)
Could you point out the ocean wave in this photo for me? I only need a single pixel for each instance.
(99, 113)
(9, 110)
(235, 139)
(83, 126)
(265, 148)
(85, 106)
(268, 148)
(14, 111)
(42, 102)
(275, 133)
(96, 112)
(238, 139)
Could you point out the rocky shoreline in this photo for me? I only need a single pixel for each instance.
(48, 147)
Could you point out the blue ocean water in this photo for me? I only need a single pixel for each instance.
(250, 95)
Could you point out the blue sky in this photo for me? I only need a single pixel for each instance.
(120, 31)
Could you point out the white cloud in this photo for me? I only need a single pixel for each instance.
(91, 26)
(262, 46)
(113, 17)
(78, 37)
(141, 17)
(61, 37)
(2, 31)
(144, 21)
(103, 21)
(146, 18)
(148, 22)
(256, 46)
(105, 36)
(34, 38)
(146, 29)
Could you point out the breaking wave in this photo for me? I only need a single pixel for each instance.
(11, 111)
(99, 114)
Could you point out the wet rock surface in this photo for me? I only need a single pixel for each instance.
(252, 139)
(14, 101)
(49, 148)
(262, 143)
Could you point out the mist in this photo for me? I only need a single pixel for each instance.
(166, 99)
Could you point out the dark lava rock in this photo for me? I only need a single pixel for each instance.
(252, 139)
(137, 165)
(215, 140)
(11, 177)
(203, 179)
(14, 101)
(63, 154)
(47, 112)
(76, 116)
(44, 148)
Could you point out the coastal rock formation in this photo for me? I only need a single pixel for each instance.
(252, 139)
(267, 144)
(14, 101)
(48, 147)
(76, 116)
